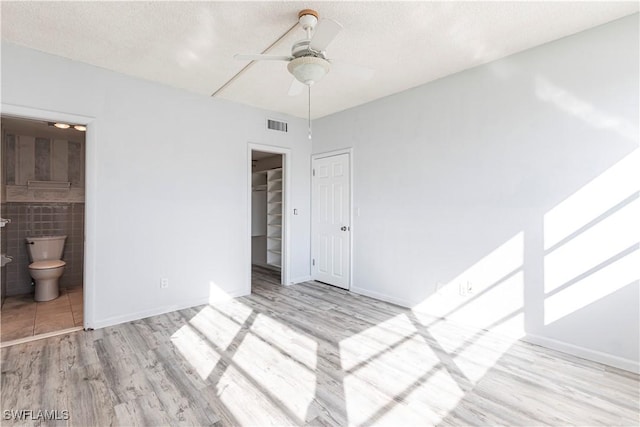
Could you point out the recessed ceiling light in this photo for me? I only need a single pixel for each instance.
(81, 128)
(62, 125)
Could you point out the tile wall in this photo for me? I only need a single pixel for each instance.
(31, 219)
(32, 152)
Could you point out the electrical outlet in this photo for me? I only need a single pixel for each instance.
(164, 283)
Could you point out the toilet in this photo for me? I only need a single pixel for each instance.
(46, 266)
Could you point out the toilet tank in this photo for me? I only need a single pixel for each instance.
(45, 248)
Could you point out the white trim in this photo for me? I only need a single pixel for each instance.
(286, 214)
(585, 353)
(332, 153)
(300, 279)
(20, 111)
(129, 317)
(315, 157)
(90, 185)
(381, 297)
(40, 336)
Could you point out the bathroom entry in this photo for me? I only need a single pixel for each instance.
(267, 221)
(43, 176)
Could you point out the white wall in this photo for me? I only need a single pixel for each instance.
(170, 182)
(475, 181)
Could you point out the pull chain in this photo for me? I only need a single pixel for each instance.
(309, 86)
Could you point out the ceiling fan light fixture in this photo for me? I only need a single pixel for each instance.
(308, 69)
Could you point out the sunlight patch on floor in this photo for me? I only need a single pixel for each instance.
(370, 401)
(481, 353)
(218, 328)
(234, 309)
(298, 346)
(196, 350)
(374, 355)
(442, 393)
(276, 373)
(363, 346)
(248, 403)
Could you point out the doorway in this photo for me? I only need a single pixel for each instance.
(43, 197)
(268, 219)
(331, 218)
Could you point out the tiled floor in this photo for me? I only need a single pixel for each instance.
(22, 317)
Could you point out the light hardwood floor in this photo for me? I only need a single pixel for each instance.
(308, 354)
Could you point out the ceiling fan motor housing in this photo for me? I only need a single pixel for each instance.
(308, 18)
(301, 48)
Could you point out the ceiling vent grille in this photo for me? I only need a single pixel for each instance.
(276, 125)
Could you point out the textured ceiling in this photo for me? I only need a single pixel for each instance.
(190, 45)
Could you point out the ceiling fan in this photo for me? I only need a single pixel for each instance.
(308, 62)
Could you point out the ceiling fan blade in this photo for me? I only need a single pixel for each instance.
(261, 57)
(296, 87)
(324, 33)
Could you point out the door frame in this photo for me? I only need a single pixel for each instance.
(286, 215)
(315, 157)
(90, 209)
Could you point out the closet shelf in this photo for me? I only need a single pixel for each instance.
(274, 217)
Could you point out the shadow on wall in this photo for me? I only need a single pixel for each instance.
(571, 272)
(590, 251)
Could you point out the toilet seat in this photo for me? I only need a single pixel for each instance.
(45, 265)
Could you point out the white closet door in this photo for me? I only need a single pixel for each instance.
(331, 257)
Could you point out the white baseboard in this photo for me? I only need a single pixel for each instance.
(585, 353)
(381, 297)
(116, 320)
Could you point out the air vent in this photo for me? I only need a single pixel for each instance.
(276, 125)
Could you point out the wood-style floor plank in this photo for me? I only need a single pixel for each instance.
(308, 354)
